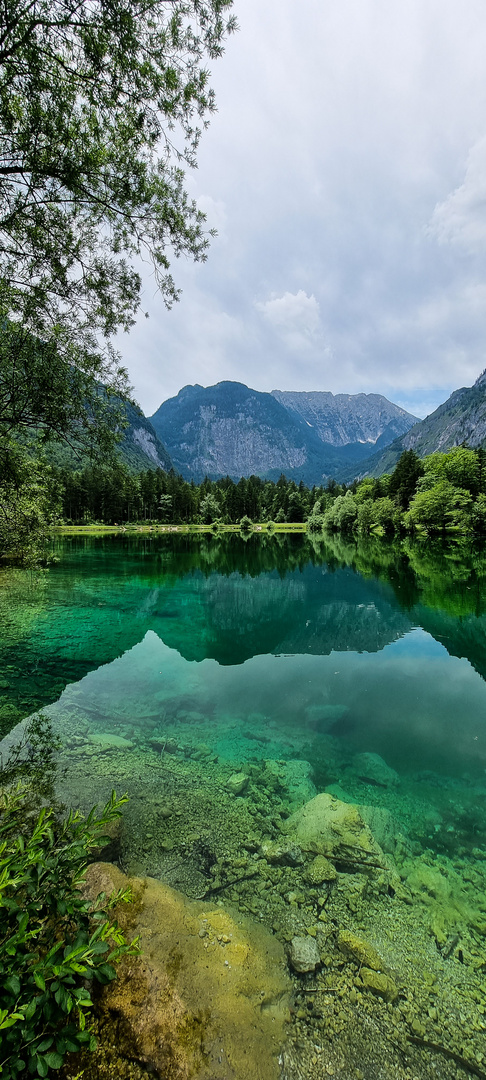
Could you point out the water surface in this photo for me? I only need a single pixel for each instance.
(169, 663)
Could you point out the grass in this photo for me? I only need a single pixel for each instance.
(133, 527)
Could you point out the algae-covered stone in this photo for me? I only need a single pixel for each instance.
(379, 983)
(237, 783)
(285, 854)
(360, 951)
(373, 768)
(106, 740)
(304, 954)
(208, 996)
(320, 870)
(330, 827)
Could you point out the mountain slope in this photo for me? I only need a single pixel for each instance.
(461, 419)
(341, 419)
(140, 448)
(230, 429)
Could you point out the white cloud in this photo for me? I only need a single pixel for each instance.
(295, 318)
(461, 218)
(339, 129)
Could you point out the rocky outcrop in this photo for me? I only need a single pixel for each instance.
(208, 997)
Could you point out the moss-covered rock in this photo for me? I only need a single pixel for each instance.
(320, 870)
(379, 984)
(360, 951)
(208, 997)
(336, 829)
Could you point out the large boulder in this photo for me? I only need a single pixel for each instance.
(336, 829)
(208, 997)
(374, 770)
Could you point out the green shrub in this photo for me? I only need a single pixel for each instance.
(246, 524)
(52, 940)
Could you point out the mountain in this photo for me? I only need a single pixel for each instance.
(342, 419)
(230, 429)
(140, 447)
(461, 419)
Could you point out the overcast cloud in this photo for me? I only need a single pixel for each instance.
(345, 172)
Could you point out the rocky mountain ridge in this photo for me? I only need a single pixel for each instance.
(341, 419)
(230, 429)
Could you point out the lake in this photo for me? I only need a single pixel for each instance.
(223, 682)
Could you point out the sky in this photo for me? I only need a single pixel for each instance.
(345, 172)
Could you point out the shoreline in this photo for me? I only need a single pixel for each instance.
(258, 527)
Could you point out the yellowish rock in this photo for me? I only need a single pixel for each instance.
(360, 951)
(379, 984)
(320, 870)
(210, 1007)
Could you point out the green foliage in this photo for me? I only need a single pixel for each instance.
(101, 103)
(29, 504)
(440, 507)
(343, 513)
(403, 480)
(209, 509)
(246, 524)
(32, 757)
(53, 941)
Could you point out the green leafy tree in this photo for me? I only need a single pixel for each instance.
(343, 513)
(365, 517)
(386, 514)
(102, 104)
(440, 507)
(210, 509)
(29, 504)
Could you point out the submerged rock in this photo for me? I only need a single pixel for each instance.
(284, 854)
(105, 740)
(208, 997)
(383, 826)
(323, 717)
(237, 783)
(379, 984)
(320, 870)
(373, 768)
(292, 778)
(336, 829)
(304, 954)
(360, 951)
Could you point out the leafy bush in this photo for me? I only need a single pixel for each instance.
(52, 940)
(246, 524)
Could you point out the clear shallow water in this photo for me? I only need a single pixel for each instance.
(251, 636)
(169, 663)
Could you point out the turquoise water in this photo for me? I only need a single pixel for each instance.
(168, 664)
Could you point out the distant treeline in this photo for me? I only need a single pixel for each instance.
(115, 495)
(445, 492)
